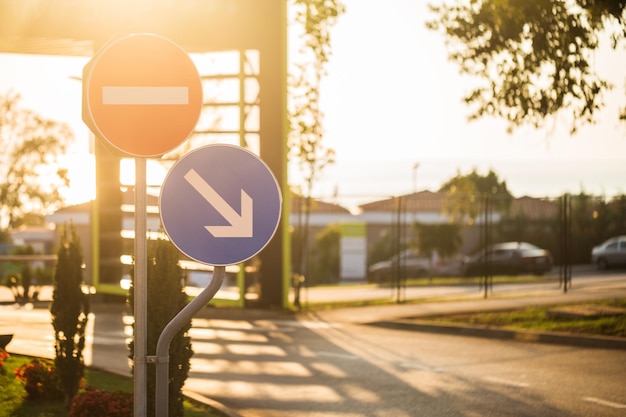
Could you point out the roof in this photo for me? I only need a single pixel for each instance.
(422, 201)
(128, 199)
(428, 201)
(534, 208)
(317, 206)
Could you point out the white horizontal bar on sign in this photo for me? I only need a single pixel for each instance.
(112, 95)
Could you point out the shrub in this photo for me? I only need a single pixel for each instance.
(70, 310)
(97, 403)
(166, 298)
(3, 356)
(40, 380)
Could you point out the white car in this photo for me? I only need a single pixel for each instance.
(610, 253)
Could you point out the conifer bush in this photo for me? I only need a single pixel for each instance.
(70, 310)
(165, 298)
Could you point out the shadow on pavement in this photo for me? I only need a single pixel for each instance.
(285, 367)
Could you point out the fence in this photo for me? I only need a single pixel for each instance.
(568, 226)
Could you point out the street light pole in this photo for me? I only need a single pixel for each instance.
(415, 167)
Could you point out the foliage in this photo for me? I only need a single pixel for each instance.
(29, 176)
(21, 274)
(70, 310)
(97, 403)
(464, 194)
(14, 280)
(444, 238)
(3, 357)
(165, 299)
(592, 220)
(13, 403)
(382, 249)
(325, 256)
(5, 237)
(40, 380)
(541, 232)
(305, 115)
(316, 17)
(534, 58)
(540, 318)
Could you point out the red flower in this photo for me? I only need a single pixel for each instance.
(40, 380)
(97, 403)
(3, 356)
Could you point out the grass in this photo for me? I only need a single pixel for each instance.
(543, 319)
(14, 404)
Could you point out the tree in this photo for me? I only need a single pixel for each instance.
(445, 238)
(382, 249)
(29, 175)
(534, 57)
(463, 201)
(166, 297)
(325, 253)
(305, 116)
(70, 310)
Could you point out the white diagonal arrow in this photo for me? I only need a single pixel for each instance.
(240, 225)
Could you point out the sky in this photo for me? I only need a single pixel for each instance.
(394, 116)
(393, 100)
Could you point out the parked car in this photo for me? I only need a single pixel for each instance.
(509, 258)
(409, 263)
(610, 253)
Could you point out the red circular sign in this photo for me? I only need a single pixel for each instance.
(143, 94)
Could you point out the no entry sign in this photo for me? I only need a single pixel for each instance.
(142, 93)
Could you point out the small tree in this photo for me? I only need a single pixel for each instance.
(465, 192)
(70, 310)
(30, 179)
(444, 238)
(326, 256)
(166, 297)
(316, 17)
(25, 277)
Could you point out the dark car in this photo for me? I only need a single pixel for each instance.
(610, 253)
(409, 264)
(509, 258)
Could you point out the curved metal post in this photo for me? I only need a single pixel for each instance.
(162, 358)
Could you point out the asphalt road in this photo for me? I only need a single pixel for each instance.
(332, 364)
(312, 368)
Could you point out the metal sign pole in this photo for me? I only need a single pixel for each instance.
(140, 290)
(123, 106)
(162, 357)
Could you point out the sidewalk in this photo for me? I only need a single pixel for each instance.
(416, 307)
(33, 320)
(407, 315)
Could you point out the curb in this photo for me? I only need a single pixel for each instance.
(528, 336)
(227, 412)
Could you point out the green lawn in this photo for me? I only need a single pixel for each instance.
(13, 404)
(547, 319)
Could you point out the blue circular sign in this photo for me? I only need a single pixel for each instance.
(220, 204)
